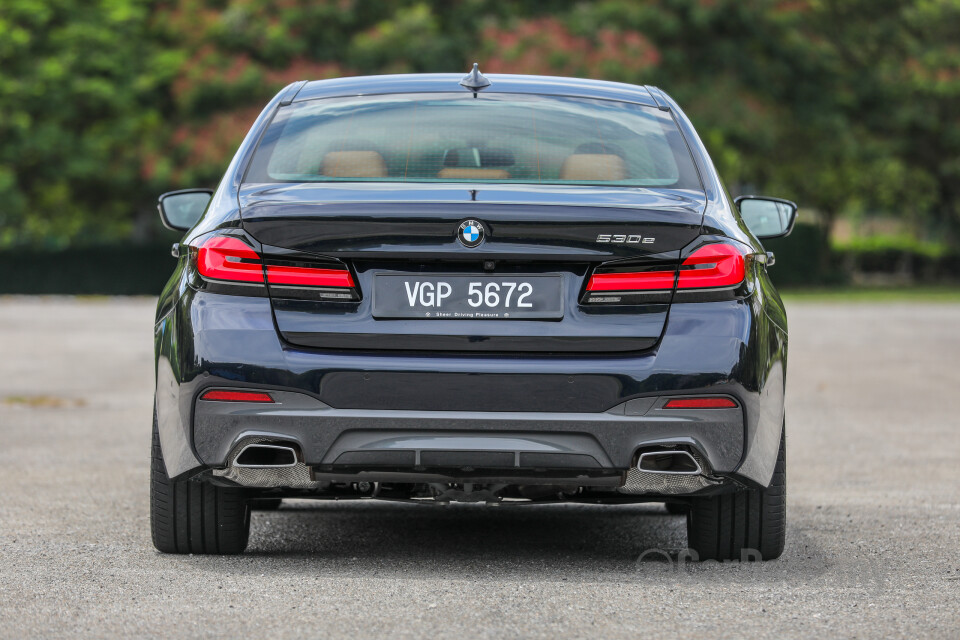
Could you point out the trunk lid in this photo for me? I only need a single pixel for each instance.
(555, 235)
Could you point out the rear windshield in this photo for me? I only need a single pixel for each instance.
(494, 138)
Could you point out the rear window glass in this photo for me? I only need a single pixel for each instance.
(494, 138)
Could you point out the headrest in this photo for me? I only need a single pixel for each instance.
(353, 164)
(593, 167)
(600, 147)
(486, 157)
(468, 173)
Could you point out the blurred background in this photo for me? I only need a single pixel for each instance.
(849, 107)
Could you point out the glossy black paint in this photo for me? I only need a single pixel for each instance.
(539, 223)
(230, 341)
(734, 343)
(412, 228)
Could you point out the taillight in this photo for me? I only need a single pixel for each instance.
(308, 276)
(305, 280)
(632, 281)
(712, 266)
(236, 396)
(228, 258)
(709, 402)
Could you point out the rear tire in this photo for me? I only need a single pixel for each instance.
(676, 508)
(739, 525)
(194, 517)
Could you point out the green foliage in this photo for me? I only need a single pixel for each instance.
(892, 244)
(842, 105)
(74, 100)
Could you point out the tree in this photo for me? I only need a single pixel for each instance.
(840, 104)
(76, 98)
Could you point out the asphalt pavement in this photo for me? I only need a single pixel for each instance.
(873, 542)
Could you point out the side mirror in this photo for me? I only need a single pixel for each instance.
(180, 210)
(767, 217)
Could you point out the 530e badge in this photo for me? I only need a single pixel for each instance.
(624, 239)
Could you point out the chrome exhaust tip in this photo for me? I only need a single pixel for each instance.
(666, 472)
(669, 462)
(266, 456)
(261, 464)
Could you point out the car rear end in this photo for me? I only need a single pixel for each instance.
(444, 295)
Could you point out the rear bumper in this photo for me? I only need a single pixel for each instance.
(347, 440)
(526, 413)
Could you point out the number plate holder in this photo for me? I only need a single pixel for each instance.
(449, 297)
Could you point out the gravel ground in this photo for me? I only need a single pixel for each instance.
(872, 543)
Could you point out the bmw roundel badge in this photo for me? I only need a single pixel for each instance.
(471, 233)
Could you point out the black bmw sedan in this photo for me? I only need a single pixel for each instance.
(504, 289)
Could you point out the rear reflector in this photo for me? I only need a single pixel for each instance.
(237, 396)
(308, 276)
(636, 281)
(712, 266)
(700, 403)
(229, 258)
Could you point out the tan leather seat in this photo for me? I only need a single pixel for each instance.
(469, 173)
(593, 167)
(354, 164)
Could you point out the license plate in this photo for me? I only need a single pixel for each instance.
(459, 297)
